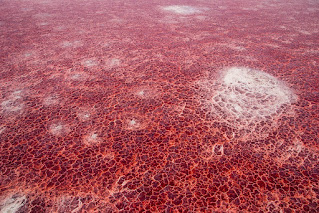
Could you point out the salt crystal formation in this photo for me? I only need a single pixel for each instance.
(251, 99)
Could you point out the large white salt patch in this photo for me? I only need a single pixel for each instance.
(12, 204)
(246, 97)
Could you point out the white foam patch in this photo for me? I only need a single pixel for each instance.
(246, 97)
(182, 9)
(12, 204)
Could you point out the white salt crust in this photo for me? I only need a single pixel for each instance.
(13, 204)
(250, 99)
(181, 9)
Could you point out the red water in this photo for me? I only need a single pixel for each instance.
(106, 106)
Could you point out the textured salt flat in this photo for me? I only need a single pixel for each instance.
(159, 106)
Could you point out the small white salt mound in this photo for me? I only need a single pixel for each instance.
(66, 44)
(94, 136)
(145, 92)
(14, 103)
(114, 62)
(51, 100)
(245, 97)
(132, 122)
(141, 93)
(91, 138)
(59, 129)
(56, 129)
(76, 77)
(83, 116)
(13, 204)
(182, 9)
(89, 62)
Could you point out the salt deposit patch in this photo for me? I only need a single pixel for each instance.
(72, 44)
(83, 116)
(13, 204)
(85, 113)
(76, 75)
(250, 99)
(92, 138)
(42, 24)
(28, 54)
(134, 124)
(182, 9)
(51, 100)
(112, 63)
(59, 129)
(140, 93)
(67, 203)
(91, 62)
(14, 102)
(145, 92)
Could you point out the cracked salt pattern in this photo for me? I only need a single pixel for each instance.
(13, 204)
(246, 97)
(136, 106)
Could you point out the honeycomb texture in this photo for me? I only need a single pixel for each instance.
(159, 106)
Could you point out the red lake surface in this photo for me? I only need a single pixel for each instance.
(159, 106)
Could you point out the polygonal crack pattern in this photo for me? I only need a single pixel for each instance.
(159, 106)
